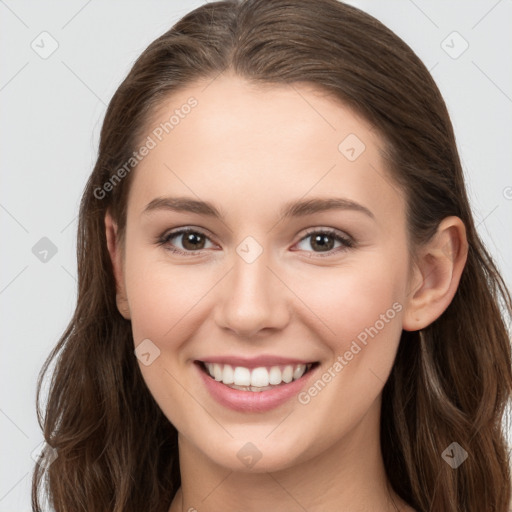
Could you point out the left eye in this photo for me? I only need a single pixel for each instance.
(324, 241)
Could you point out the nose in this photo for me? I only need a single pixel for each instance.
(252, 298)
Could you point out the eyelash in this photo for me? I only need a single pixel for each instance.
(347, 243)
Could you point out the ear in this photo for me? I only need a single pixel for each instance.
(116, 256)
(436, 274)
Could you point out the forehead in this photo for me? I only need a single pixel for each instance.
(256, 144)
(242, 115)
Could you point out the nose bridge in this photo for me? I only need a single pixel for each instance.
(252, 298)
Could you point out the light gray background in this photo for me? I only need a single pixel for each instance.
(52, 111)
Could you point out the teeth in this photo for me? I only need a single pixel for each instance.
(299, 371)
(227, 374)
(275, 375)
(288, 374)
(257, 379)
(217, 371)
(242, 376)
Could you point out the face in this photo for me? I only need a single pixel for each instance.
(296, 253)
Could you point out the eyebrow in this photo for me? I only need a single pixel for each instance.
(298, 208)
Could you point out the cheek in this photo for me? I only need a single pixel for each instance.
(360, 306)
(165, 299)
(362, 309)
(160, 301)
(164, 303)
(350, 298)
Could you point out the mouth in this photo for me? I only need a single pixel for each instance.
(262, 378)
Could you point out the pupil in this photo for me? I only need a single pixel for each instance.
(193, 239)
(322, 242)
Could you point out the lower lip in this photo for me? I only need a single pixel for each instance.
(253, 401)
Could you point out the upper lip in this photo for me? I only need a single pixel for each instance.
(255, 362)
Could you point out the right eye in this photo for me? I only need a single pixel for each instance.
(192, 241)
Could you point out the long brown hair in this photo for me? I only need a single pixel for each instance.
(450, 383)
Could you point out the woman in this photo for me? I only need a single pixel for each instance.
(283, 300)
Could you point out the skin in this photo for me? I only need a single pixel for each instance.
(248, 150)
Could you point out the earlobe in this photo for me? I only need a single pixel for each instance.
(438, 271)
(114, 250)
(122, 305)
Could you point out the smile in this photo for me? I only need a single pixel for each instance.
(254, 389)
(256, 379)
